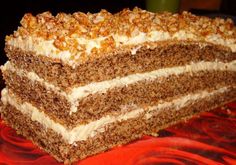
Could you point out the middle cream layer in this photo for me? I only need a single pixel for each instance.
(77, 93)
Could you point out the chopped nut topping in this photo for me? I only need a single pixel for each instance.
(65, 28)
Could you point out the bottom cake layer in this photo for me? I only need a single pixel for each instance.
(116, 133)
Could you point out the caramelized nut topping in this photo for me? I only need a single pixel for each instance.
(64, 29)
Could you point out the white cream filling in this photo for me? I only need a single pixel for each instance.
(46, 47)
(82, 132)
(78, 93)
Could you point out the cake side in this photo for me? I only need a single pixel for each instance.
(146, 121)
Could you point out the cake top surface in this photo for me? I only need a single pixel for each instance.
(77, 37)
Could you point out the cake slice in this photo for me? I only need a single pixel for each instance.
(79, 84)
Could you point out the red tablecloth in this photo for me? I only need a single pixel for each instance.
(208, 139)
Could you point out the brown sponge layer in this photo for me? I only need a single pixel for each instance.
(115, 134)
(159, 55)
(93, 107)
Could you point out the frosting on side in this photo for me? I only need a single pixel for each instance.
(78, 93)
(83, 132)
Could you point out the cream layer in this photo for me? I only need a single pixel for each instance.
(82, 132)
(78, 93)
(47, 48)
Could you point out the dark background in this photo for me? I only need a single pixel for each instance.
(11, 11)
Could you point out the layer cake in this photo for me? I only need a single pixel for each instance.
(79, 84)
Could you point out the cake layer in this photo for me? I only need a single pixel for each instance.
(77, 38)
(109, 97)
(27, 122)
(161, 55)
